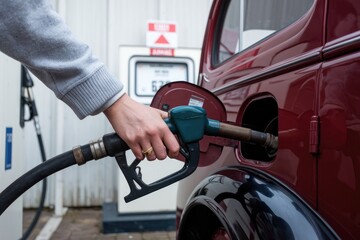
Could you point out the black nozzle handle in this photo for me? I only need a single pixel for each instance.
(140, 189)
(26, 80)
(114, 144)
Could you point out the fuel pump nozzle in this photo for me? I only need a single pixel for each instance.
(190, 124)
(27, 99)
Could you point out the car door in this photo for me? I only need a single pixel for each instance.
(262, 59)
(339, 113)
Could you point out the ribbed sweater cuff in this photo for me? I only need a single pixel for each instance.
(90, 96)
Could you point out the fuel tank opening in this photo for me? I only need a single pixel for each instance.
(260, 114)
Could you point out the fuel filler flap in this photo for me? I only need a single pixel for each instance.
(183, 93)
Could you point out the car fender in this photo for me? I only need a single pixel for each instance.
(249, 204)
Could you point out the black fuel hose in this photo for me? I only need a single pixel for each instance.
(109, 145)
(38, 212)
(22, 184)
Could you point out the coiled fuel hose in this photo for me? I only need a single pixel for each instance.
(79, 155)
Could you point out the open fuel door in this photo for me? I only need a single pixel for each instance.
(183, 93)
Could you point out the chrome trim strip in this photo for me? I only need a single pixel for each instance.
(273, 70)
(340, 45)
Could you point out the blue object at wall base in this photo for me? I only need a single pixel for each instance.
(114, 222)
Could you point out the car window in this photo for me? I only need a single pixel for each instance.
(247, 22)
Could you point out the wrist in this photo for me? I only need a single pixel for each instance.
(116, 103)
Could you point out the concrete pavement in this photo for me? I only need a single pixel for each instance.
(85, 223)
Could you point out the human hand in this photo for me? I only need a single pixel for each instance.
(142, 128)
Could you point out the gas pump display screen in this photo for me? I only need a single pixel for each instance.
(150, 76)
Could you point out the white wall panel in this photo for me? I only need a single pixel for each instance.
(10, 142)
(104, 25)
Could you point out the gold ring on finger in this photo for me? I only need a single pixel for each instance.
(147, 151)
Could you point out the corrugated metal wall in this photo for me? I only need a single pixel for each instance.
(104, 25)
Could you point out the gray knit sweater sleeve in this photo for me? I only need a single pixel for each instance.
(32, 33)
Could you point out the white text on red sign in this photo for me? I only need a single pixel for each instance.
(162, 27)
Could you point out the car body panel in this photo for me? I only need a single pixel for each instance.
(339, 112)
(301, 37)
(250, 205)
(342, 18)
(283, 65)
(339, 161)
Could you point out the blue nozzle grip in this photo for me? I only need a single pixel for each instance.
(191, 123)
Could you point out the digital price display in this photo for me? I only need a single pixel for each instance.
(151, 76)
(147, 74)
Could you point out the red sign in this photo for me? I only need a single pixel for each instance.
(161, 34)
(162, 52)
(162, 27)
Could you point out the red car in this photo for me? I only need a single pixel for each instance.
(292, 69)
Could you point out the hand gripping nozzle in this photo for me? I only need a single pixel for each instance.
(190, 124)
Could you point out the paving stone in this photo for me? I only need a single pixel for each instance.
(85, 223)
(131, 236)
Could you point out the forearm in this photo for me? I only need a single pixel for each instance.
(35, 35)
